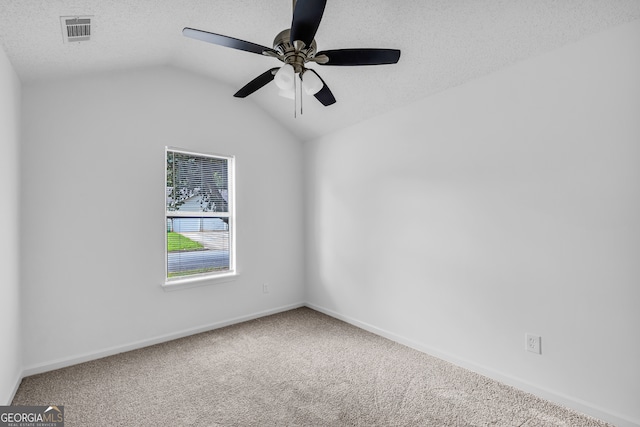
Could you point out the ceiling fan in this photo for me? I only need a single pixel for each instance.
(295, 47)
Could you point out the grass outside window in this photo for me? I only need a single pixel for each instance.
(177, 242)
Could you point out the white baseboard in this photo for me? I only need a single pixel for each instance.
(12, 394)
(553, 396)
(74, 360)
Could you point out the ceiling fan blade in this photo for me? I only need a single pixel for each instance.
(256, 83)
(226, 41)
(360, 56)
(306, 19)
(324, 95)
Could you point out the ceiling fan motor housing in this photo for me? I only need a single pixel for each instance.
(290, 55)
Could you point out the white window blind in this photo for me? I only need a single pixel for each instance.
(199, 214)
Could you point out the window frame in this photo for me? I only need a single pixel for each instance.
(200, 279)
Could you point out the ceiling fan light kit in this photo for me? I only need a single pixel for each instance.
(284, 77)
(296, 47)
(289, 94)
(311, 83)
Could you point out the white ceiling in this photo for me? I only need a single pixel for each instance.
(443, 42)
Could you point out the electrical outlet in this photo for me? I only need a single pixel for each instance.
(265, 288)
(533, 343)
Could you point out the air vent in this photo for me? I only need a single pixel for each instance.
(76, 28)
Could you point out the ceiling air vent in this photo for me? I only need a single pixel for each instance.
(76, 28)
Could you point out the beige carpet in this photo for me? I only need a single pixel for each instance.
(298, 368)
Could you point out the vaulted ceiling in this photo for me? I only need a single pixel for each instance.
(443, 42)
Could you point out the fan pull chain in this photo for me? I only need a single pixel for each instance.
(297, 90)
(295, 98)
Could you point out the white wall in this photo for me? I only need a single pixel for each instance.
(10, 345)
(93, 211)
(507, 205)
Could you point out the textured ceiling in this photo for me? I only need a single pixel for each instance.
(443, 42)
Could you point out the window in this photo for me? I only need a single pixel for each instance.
(199, 215)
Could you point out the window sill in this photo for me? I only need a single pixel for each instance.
(195, 282)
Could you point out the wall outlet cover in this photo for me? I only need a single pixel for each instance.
(533, 343)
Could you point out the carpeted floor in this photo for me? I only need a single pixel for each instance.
(298, 368)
